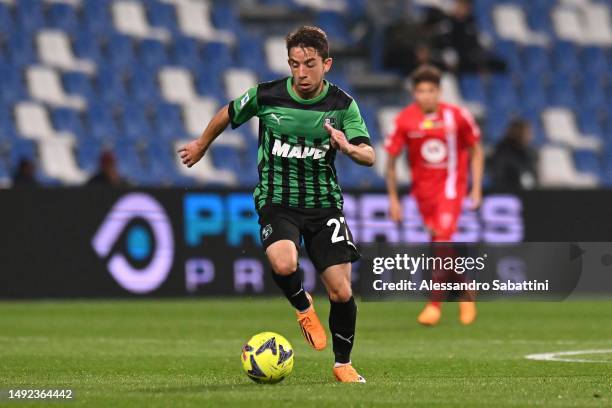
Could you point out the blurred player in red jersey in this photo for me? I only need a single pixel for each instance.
(443, 140)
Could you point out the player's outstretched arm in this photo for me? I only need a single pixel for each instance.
(193, 151)
(395, 206)
(477, 169)
(361, 154)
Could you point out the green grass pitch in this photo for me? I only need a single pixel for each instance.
(174, 353)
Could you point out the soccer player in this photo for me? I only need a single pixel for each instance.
(442, 140)
(303, 122)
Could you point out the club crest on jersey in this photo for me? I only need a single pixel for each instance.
(433, 151)
(266, 232)
(244, 100)
(330, 121)
(298, 151)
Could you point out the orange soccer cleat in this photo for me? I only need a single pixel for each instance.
(430, 316)
(347, 374)
(467, 312)
(313, 331)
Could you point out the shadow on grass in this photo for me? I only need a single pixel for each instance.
(227, 387)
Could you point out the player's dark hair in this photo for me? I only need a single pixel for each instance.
(309, 36)
(516, 131)
(426, 73)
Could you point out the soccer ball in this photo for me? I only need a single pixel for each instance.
(267, 358)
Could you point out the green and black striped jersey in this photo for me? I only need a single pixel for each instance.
(295, 161)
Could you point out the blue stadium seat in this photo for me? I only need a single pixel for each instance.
(29, 16)
(11, 84)
(483, 16)
(541, 78)
(69, 120)
(143, 86)
(561, 91)
(110, 85)
(226, 157)
(79, 84)
(210, 84)
(218, 57)
(250, 49)
(535, 60)
(21, 49)
(351, 175)
(96, 16)
(136, 125)
(88, 155)
(8, 133)
(495, 125)
(509, 51)
(86, 44)
(334, 25)
(472, 88)
(152, 54)
(565, 57)
(162, 15)
(591, 95)
(282, 3)
(606, 175)
(186, 51)
(248, 174)
(129, 162)
(224, 14)
(28, 149)
(23, 148)
(587, 161)
(338, 79)
(594, 62)
(101, 121)
(168, 123)
(538, 16)
(534, 119)
(7, 22)
(162, 165)
(357, 9)
(533, 96)
(502, 93)
(5, 174)
(590, 121)
(343, 170)
(120, 52)
(63, 17)
(368, 113)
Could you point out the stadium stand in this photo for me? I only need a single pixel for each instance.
(143, 76)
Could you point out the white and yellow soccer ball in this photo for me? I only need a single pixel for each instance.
(267, 358)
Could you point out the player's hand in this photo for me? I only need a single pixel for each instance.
(395, 210)
(191, 153)
(475, 199)
(337, 139)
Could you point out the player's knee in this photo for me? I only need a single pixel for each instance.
(340, 294)
(284, 265)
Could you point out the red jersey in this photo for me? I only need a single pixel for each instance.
(438, 149)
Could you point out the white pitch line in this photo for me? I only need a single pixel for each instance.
(558, 356)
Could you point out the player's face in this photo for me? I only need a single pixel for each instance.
(427, 96)
(307, 69)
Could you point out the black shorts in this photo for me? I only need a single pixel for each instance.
(327, 237)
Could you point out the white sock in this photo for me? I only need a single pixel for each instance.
(336, 365)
